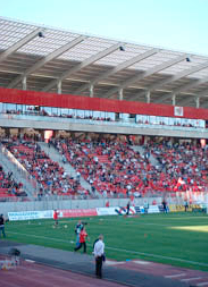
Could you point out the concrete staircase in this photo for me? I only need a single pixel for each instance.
(141, 150)
(56, 156)
(11, 164)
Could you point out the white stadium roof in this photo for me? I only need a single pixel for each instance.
(35, 57)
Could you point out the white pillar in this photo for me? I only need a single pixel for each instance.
(59, 87)
(173, 100)
(121, 94)
(147, 95)
(197, 100)
(24, 83)
(91, 91)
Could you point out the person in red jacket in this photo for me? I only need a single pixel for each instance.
(82, 240)
(55, 217)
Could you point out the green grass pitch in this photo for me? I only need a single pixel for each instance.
(179, 239)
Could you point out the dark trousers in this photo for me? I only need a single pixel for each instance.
(98, 266)
(80, 246)
(2, 231)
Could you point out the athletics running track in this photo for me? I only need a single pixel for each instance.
(39, 266)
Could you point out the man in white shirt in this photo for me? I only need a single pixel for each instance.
(99, 249)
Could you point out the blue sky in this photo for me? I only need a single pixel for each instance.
(175, 24)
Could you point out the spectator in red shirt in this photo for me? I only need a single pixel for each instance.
(107, 204)
(55, 217)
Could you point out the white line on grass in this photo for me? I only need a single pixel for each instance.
(191, 279)
(118, 250)
(175, 275)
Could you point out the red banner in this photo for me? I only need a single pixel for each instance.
(35, 98)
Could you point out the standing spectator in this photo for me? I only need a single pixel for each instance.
(107, 204)
(82, 240)
(55, 217)
(2, 221)
(128, 208)
(164, 203)
(186, 205)
(77, 230)
(99, 249)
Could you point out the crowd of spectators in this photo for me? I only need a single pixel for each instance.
(110, 167)
(113, 167)
(184, 166)
(9, 187)
(105, 116)
(52, 179)
(34, 111)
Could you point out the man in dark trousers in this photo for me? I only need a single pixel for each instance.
(128, 208)
(164, 204)
(55, 217)
(99, 249)
(2, 221)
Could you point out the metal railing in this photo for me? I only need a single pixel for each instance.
(19, 168)
(117, 122)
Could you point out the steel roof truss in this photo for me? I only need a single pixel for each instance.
(120, 67)
(84, 64)
(148, 73)
(19, 44)
(47, 59)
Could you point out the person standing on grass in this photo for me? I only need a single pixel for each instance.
(186, 205)
(128, 208)
(99, 253)
(55, 217)
(2, 221)
(77, 230)
(165, 207)
(82, 240)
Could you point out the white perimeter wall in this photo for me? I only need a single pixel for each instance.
(6, 207)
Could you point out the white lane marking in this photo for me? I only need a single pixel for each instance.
(202, 284)
(116, 249)
(142, 262)
(175, 275)
(114, 262)
(191, 279)
(30, 261)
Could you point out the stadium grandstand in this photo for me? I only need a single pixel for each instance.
(91, 126)
(85, 116)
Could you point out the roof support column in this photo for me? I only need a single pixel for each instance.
(24, 83)
(59, 87)
(173, 98)
(197, 100)
(120, 92)
(147, 96)
(91, 91)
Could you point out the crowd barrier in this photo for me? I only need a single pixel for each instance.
(68, 213)
(102, 211)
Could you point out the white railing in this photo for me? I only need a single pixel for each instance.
(19, 167)
(117, 123)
